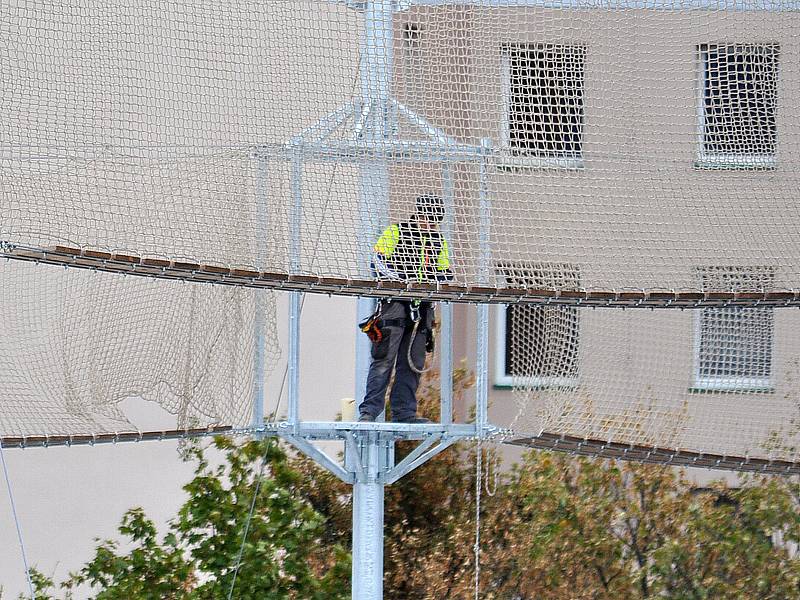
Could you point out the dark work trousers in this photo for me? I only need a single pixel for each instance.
(392, 353)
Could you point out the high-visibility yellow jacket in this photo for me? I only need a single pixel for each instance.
(413, 253)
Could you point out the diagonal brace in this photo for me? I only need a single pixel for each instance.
(420, 455)
(314, 453)
(325, 126)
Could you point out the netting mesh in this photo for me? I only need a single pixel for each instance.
(81, 351)
(626, 147)
(634, 141)
(720, 381)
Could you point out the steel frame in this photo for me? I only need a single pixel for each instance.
(369, 462)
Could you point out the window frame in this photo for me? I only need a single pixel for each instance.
(727, 160)
(749, 278)
(528, 161)
(501, 377)
(730, 384)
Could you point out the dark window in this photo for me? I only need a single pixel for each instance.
(545, 100)
(541, 342)
(740, 98)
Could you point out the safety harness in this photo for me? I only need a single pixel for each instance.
(372, 327)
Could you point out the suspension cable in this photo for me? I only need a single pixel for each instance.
(17, 523)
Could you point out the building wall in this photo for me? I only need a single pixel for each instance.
(637, 212)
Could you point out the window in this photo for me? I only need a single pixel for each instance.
(543, 98)
(538, 345)
(733, 346)
(737, 105)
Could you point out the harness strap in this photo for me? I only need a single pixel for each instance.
(395, 322)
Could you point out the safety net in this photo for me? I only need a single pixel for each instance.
(593, 159)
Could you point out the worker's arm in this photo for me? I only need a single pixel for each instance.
(384, 249)
(381, 269)
(443, 270)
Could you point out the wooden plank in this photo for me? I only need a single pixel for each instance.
(638, 453)
(129, 263)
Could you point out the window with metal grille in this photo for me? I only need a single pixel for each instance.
(738, 105)
(733, 346)
(538, 345)
(543, 93)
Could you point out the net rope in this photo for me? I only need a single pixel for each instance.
(590, 156)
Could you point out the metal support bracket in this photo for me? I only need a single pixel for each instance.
(420, 455)
(314, 453)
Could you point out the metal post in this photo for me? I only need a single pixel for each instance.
(446, 308)
(295, 298)
(296, 214)
(293, 384)
(376, 71)
(446, 362)
(482, 358)
(368, 497)
(259, 319)
(482, 368)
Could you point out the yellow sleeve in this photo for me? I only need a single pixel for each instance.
(388, 241)
(443, 260)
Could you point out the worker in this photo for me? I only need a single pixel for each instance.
(402, 330)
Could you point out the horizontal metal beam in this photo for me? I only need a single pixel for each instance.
(395, 150)
(606, 5)
(451, 434)
(119, 437)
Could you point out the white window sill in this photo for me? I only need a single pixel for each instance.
(761, 162)
(743, 384)
(514, 163)
(508, 381)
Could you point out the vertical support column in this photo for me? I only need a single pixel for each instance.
(482, 368)
(377, 47)
(376, 72)
(484, 215)
(260, 160)
(368, 500)
(446, 362)
(293, 383)
(446, 308)
(259, 330)
(295, 298)
(482, 359)
(377, 50)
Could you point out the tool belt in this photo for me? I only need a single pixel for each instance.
(372, 325)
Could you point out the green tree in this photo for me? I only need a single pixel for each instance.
(555, 527)
(202, 554)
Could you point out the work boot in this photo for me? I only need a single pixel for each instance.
(366, 418)
(413, 419)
